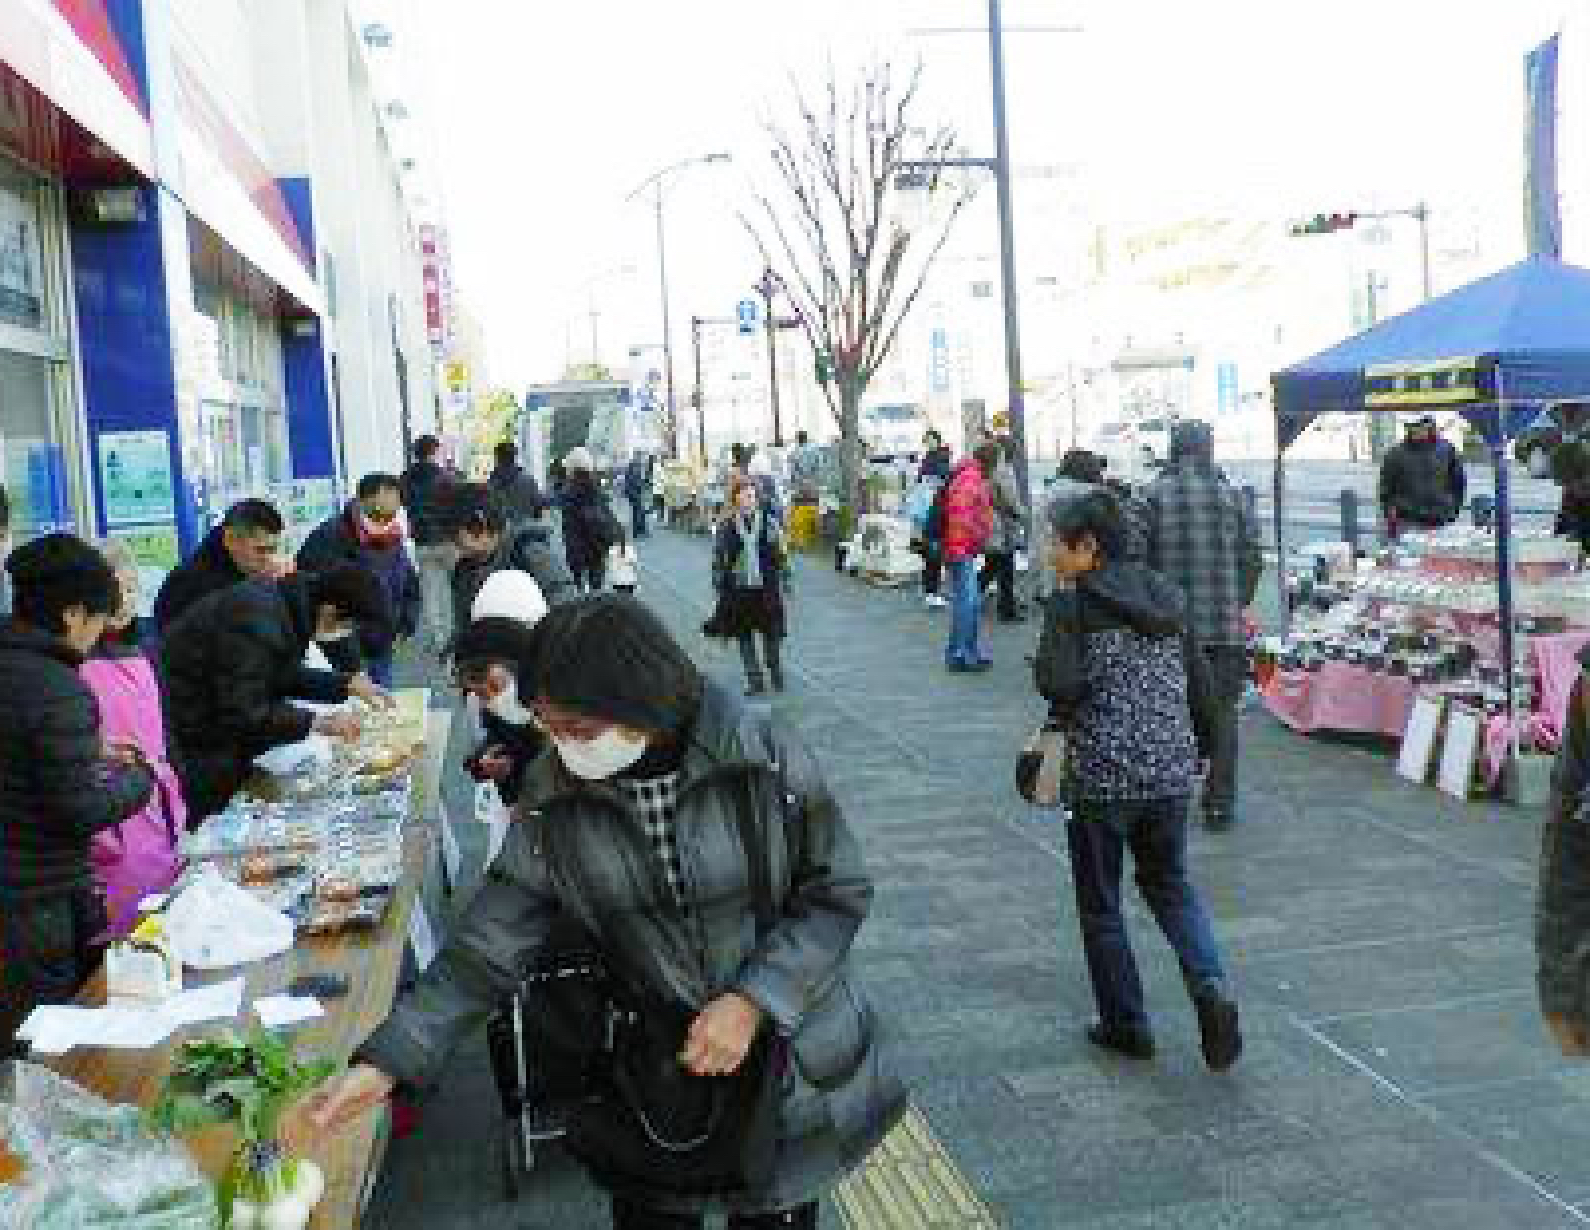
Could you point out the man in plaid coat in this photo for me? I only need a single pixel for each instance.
(1201, 537)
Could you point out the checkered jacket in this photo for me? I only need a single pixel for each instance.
(1201, 537)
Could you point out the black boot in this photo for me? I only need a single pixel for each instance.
(755, 685)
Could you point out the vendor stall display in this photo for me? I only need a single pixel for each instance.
(336, 858)
(1498, 352)
(1424, 617)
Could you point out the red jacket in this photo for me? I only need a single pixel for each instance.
(968, 514)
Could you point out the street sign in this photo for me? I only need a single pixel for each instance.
(1225, 388)
(747, 313)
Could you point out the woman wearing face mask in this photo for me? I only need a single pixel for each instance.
(652, 768)
(487, 657)
(750, 571)
(137, 858)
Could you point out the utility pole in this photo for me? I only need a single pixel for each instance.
(698, 397)
(770, 328)
(1007, 246)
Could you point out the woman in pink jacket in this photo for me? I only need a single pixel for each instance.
(968, 523)
(139, 856)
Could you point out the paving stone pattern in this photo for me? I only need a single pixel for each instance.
(1396, 1072)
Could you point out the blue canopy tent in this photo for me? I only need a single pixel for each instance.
(1497, 351)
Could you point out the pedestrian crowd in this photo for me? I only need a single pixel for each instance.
(675, 855)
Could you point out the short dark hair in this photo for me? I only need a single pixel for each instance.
(607, 656)
(1081, 465)
(355, 592)
(1097, 514)
(56, 572)
(493, 641)
(478, 511)
(426, 447)
(5, 510)
(254, 516)
(506, 452)
(374, 484)
(987, 453)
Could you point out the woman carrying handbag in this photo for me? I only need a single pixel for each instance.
(699, 848)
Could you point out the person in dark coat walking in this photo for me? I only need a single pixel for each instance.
(637, 490)
(428, 493)
(590, 530)
(938, 467)
(235, 663)
(750, 573)
(247, 543)
(487, 545)
(652, 767)
(1202, 540)
(514, 486)
(1422, 481)
(1129, 690)
(369, 534)
(60, 784)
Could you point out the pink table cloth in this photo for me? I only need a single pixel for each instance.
(1557, 659)
(1343, 697)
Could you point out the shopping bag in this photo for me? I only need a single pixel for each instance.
(1041, 768)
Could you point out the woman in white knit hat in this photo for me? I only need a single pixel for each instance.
(487, 657)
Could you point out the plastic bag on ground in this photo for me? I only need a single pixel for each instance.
(90, 1164)
(214, 924)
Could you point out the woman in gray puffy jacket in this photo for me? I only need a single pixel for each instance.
(637, 806)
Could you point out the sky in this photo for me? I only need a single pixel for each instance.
(544, 116)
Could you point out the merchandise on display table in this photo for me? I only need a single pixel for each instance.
(1423, 616)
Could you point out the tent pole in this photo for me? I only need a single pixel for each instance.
(1504, 573)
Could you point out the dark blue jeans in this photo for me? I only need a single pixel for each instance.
(966, 613)
(1156, 832)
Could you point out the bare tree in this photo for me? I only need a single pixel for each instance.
(848, 259)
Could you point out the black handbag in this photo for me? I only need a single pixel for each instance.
(637, 1119)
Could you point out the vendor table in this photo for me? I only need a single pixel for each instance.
(1342, 697)
(371, 962)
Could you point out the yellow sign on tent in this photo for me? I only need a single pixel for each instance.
(1435, 382)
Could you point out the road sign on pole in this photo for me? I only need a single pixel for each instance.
(746, 312)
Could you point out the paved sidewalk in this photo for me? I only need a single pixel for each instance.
(1396, 1072)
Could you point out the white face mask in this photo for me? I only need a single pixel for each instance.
(505, 705)
(602, 757)
(341, 634)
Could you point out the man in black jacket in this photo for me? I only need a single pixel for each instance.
(427, 494)
(234, 663)
(515, 488)
(487, 544)
(1422, 481)
(59, 783)
(368, 533)
(247, 543)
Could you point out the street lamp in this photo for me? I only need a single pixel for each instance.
(657, 180)
(999, 164)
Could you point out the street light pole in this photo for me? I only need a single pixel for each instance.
(1007, 244)
(770, 327)
(698, 396)
(658, 179)
(667, 324)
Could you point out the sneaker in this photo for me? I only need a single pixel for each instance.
(776, 674)
(937, 601)
(970, 668)
(1220, 1028)
(755, 686)
(1132, 1041)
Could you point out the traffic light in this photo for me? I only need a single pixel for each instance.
(1324, 224)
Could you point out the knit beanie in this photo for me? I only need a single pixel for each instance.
(510, 594)
(608, 657)
(579, 459)
(1192, 438)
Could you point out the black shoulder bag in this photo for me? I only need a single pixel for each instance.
(645, 1124)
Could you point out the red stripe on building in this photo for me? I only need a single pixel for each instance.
(91, 23)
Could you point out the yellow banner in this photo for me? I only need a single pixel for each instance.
(1437, 382)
